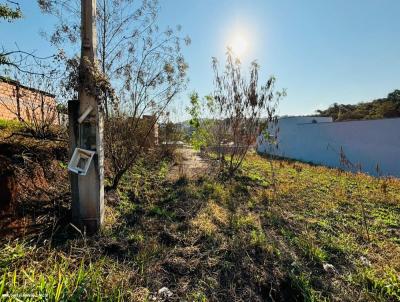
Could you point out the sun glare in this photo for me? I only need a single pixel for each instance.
(239, 45)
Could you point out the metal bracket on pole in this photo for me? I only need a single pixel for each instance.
(85, 114)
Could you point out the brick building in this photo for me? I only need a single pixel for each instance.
(19, 102)
(153, 135)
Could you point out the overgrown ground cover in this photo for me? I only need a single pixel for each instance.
(307, 234)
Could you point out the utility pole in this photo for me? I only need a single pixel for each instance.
(86, 138)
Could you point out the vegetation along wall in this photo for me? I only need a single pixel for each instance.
(350, 145)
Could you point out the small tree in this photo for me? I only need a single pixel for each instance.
(240, 106)
(202, 134)
(125, 140)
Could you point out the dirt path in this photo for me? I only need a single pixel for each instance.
(189, 164)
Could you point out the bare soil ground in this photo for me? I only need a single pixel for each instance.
(33, 185)
(189, 164)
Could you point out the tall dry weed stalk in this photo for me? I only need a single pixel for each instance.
(358, 169)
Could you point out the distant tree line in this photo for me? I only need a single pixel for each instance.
(377, 109)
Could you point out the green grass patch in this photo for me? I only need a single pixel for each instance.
(11, 125)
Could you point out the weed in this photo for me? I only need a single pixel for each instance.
(248, 221)
(11, 253)
(311, 249)
(59, 279)
(12, 125)
(136, 237)
(258, 238)
(302, 283)
(385, 286)
(161, 212)
(198, 296)
(215, 191)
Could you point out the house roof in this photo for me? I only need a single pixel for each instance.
(17, 83)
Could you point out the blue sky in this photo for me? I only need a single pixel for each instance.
(321, 51)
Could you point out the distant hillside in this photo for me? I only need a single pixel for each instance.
(381, 108)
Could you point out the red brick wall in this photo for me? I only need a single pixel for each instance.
(29, 100)
(7, 95)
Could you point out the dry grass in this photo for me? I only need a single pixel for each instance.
(208, 239)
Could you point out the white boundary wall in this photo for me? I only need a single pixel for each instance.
(367, 143)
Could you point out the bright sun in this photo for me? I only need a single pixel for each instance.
(238, 45)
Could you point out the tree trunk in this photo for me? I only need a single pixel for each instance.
(116, 180)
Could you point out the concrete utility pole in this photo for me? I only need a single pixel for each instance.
(86, 138)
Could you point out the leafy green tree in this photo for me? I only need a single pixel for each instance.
(202, 134)
(395, 95)
(388, 107)
(194, 110)
(9, 14)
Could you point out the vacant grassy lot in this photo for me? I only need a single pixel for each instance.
(305, 234)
